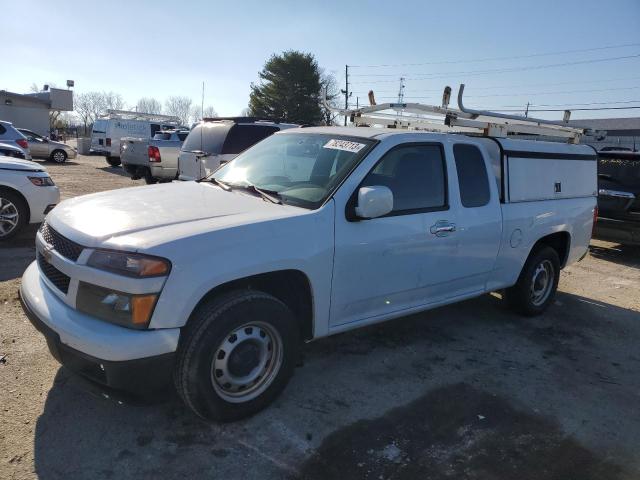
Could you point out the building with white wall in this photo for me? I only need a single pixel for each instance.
(32, 110)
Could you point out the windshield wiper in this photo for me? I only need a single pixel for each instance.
(221, 184)
(270, 195)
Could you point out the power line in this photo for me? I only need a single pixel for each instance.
(500, 70)
(495, 87)
(572, 109)
(490, 59)
(528, 94)
(507, 70)
(576, 104)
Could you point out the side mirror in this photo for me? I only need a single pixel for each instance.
(375, 201)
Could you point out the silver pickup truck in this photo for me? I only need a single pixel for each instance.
(155, 160)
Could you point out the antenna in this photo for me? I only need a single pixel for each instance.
(401, 90)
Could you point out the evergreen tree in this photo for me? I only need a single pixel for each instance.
(289, 89)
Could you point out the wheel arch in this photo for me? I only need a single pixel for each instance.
(559, 241)
(292, 287)
(8, 188)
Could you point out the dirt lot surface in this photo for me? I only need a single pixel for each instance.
(467, 391)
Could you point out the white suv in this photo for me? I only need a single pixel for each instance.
(27, 194)
(10, 135)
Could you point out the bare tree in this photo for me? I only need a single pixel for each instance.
(113, 101)
(179, 107)
(210, 112)
(149, 105)
(330, 91)
(197, 114)
(88, 106)
(246, 112)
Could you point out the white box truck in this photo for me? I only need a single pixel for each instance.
(116, 124)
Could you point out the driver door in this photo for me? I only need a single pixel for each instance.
(389, 265)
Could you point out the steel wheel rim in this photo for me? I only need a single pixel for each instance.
(9, 217)
(58, 157)
(257, 341)
(542, 282)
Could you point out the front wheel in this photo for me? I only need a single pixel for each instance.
(59, 156)
(13, 214)
(537, 284)
(237, 354)
(113, 161)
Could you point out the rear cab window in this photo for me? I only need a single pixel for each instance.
(472, 175)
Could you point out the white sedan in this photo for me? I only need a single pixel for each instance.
(27, 194)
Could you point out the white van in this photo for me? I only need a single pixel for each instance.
(109, 129)
(215, 141)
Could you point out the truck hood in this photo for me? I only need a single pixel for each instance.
(144, 216)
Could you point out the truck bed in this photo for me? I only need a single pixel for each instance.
(135, 158)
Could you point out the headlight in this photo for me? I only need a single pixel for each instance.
(128, 310)
(42, 181)
(130, 264)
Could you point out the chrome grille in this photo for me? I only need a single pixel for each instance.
(61, 244)
(55, 276)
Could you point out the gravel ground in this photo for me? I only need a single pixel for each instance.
(466, 391)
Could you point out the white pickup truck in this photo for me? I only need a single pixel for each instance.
(155, 160)
(311, 232)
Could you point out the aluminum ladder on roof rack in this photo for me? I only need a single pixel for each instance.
(152, 117)
(462, 120)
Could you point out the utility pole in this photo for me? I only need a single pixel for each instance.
(526, 112)
(401, 91)
(202, 103)
(346, 91)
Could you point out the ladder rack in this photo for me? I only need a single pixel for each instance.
(152, 117)
(461, 120)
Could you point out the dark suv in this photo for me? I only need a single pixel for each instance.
(618, 197)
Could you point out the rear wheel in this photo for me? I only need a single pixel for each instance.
(148, 178)
(13, 214)
(113, 161)
(236, 355)
(58, 156)
(537, 284)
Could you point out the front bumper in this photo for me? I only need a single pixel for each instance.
(620, 231)
(105, 353)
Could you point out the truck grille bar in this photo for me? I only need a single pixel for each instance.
(55, 276)
(61, 244)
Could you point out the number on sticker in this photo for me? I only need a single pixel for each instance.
(345, 145)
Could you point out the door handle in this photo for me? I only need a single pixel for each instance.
(442, 228)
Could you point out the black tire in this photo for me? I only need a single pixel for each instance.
(203, 342)
(148, 178)
(113, 161)
(523, 297)
(58, 156)
(12, 204)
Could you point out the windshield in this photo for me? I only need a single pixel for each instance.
(302, 168)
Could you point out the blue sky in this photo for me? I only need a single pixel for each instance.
(162, 48)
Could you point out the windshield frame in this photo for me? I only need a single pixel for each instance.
(370, 144)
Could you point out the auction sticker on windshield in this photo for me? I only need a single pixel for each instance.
(345, 145)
